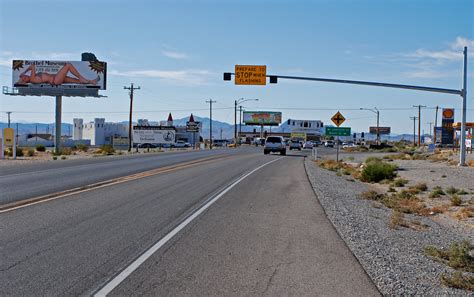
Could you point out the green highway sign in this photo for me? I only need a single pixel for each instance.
(338, 131)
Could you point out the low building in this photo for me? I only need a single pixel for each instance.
(313, 129)
(98, 131)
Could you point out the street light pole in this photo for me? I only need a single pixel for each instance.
(377, 112)
(210, 122)
(236, 102)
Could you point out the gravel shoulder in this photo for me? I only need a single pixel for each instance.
(393, 258)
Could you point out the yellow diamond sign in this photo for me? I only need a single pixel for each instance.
(338, 119)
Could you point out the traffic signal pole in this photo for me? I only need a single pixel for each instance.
(462, 93)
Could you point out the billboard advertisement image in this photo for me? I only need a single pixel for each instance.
(266, 118)
(59, 74)
(153, 135)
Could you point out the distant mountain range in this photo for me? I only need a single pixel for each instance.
(218, 127)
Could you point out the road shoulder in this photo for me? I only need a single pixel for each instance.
(394, 259)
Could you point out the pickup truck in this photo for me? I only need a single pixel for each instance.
(274, 144)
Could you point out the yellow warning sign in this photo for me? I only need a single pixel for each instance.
(338, 119)
(250, 74)
(8, 135)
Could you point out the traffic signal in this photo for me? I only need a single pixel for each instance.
(227, 76)
(273, 79)
(354, 135)
(265, 134)
(362, 135)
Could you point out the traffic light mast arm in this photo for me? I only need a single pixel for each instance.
(358, 82)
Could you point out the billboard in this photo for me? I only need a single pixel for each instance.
(153, 134)
(382, 130)
(266, 118)
(35, 74)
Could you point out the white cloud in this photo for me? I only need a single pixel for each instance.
(427, 74)
(182, 77)
(453, 53)
(175, 55)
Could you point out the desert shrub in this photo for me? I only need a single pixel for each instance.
(451, 190)
(107, 149)
(421, 186)
(462, 192)
(376, 170)
(464, 213)
(458, 280)
(30, 152)
(82, 147)
(457, 256)
(455, 200)
(55, 158)
(400, 182)
(437, 192)
(63, 157)
(372, 195)
(66, 151)
(397, 219)
(40, 148)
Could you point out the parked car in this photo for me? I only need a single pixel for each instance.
(146, 145)
(274, 144)
(308, 145)
(295, 145)
(180, 144)
(329, 143)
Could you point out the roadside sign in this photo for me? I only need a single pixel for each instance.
(338, 131)
(338, 119)
(250, 74)
(192, 126)
(382, 130)
(8, 136)
(301, 135)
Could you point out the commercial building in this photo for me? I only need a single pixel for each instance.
(98, 131)
(313, 129)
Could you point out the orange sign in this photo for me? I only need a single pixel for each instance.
(250, 74)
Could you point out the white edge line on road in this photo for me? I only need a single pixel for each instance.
(112, 284)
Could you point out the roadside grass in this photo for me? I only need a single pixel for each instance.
(455, 200)
(457, 256)
(106, 149)
(464, 213)
(403, 201)
(40, 148)
(437, 192)
(458, 280)
(399, 182)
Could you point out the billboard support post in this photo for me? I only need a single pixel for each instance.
(462, 155)
(57, 137)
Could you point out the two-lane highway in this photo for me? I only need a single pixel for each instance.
(238, 224)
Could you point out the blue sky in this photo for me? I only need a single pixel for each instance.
(176, 51)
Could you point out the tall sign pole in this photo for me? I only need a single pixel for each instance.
(131, 89)
(435, 124)
(57, 139)
(414, 129)
(210, 122)
(462, 155)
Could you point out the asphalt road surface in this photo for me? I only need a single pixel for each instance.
(230, 222)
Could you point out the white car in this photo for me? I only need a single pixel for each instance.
(274, 144)
(308, 145)
(180, 144)
(329, 143)
(295, 145)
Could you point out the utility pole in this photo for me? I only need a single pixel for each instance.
(131, 89)
(210, 122)
(430, 123)
(435, 123)
(414, 129)
(419, 122)
(8, 113)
